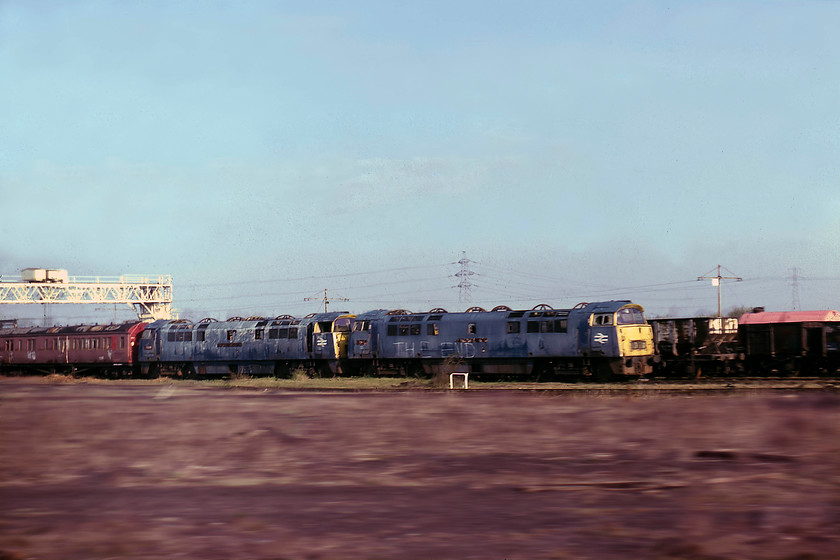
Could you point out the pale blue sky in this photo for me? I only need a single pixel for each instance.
(263, 151)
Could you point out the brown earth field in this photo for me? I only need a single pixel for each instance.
(118, 470)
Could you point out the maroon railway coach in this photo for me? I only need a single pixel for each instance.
(95, 349)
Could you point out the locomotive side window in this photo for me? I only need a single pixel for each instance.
(471, 328)
(432, 329)
(513, 327)
(258, 334)
(547, 326)
(231, 335)
(293, 332)
(415, 329)
(533, 326)
(392, 330)
(602, 319)
(560, 325)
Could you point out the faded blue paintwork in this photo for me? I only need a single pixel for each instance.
(249, 346)
(583, 339)
(486, 334)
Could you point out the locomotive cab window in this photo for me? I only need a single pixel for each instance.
(513, 327)
(630, 316)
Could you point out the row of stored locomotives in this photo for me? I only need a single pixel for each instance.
(603, 339)
(759, 343)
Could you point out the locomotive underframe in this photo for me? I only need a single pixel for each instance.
(538, 368)
(273, 368)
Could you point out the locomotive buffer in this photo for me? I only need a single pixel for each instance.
(149, 296)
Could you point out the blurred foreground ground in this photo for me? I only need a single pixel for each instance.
(134, 471)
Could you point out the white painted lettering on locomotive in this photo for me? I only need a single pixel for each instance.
(404, 349)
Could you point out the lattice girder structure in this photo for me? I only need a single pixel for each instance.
(150, 297)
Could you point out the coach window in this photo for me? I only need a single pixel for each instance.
(8, 346)
(513, 327)
(122, 342)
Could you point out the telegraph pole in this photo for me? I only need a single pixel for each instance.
(716, 281)
(325, 299)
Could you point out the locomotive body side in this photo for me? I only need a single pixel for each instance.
(587, 339)
(250, 347)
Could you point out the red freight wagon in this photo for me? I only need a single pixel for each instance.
(805, 342)
(101, 349)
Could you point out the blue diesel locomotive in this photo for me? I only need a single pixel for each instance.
(603, 339)
(252, 346)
